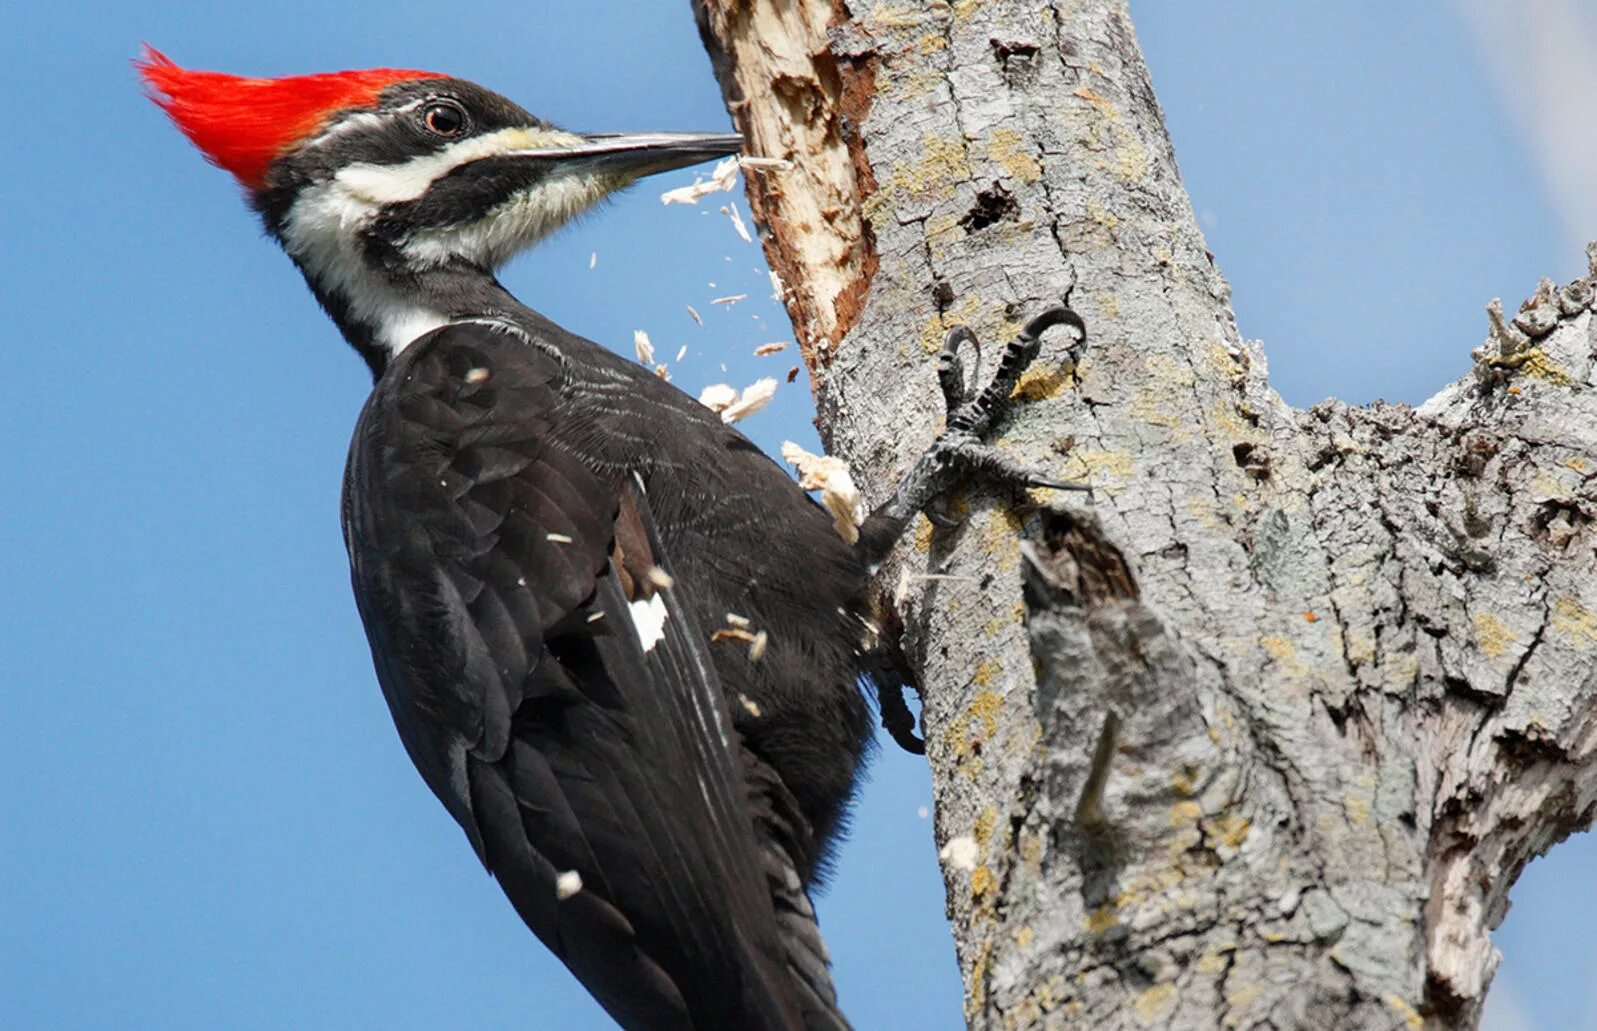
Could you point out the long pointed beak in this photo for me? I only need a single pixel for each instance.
(634, 155)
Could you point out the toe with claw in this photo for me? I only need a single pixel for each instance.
(959, 452)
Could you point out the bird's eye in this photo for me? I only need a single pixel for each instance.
(445, 120)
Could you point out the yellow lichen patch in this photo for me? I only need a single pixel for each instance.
(942, 165)
(894, 17)
(1030, 848)
(1572, 618)
(1039, 384)
(986, 707)
(1219, 356)
(944, 232)
(986, 671)
(1185, 813)
(1130, 156)
(977, 997)
(964, 312)
(1108, 304)
(1024, 935)
(1151, 405)
(1358, 808)
(941, 168)
(1102, 919)
(982, 882)
(1156, 1004)
(1228, 829)
(1359, 646)
(1098, 101)
(1099, 214)
(1185, 781)
(1008, 149)
(1284, 652)
(1579, 465)
(1211, 962)
(923, 534)
(1492, 635)
(1406, 1013)
(1105, 465)
(1169, 372)
(1242, 996)
(985, 822)
(1535, 364)
(1000, 538)
(931, 43)
(965, 8)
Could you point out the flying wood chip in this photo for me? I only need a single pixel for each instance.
(832, 478)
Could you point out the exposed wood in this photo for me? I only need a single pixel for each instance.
(1263, 734)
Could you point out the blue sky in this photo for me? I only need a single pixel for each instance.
(209, 821)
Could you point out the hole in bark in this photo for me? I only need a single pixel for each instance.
(1252, 459)
(1557, 522)
(992, 205)
(1016, 57)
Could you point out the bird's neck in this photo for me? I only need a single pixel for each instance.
(381, 311)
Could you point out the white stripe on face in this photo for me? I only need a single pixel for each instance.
(396, 184)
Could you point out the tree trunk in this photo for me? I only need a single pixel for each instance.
(1262, 733)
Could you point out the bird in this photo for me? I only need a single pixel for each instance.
(620, 644)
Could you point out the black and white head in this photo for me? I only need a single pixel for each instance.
(394, 190)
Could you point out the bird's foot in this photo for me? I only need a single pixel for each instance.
(960, 452)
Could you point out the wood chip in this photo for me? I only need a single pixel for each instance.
(682, 352)
(792, 374)
(735, 633)
(765, 349)
(758, 645)
(960, 852)
(476, 376)
(733, 619)
(723, 178)
(754, 397)
(737, 223)
(558, 538)
(832, 478)
(730, 299)
(593, 259)
(644, 348)
(694, 312)
(749, 705)
(762, 164)
(660, 578)
(718, 397)
(567, 884)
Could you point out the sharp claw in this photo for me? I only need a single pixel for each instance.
(1058, 315)
(1047, 484)
(951, 371)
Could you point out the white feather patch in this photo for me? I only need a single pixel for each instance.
(648, 618)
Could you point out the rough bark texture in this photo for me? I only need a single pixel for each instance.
(1263, 734)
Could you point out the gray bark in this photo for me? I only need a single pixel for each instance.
(1262, 734)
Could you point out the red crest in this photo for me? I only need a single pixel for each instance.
(243, 124)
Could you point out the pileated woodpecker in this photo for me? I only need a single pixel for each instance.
(542, 534)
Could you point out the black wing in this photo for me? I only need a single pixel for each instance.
(507, 592)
